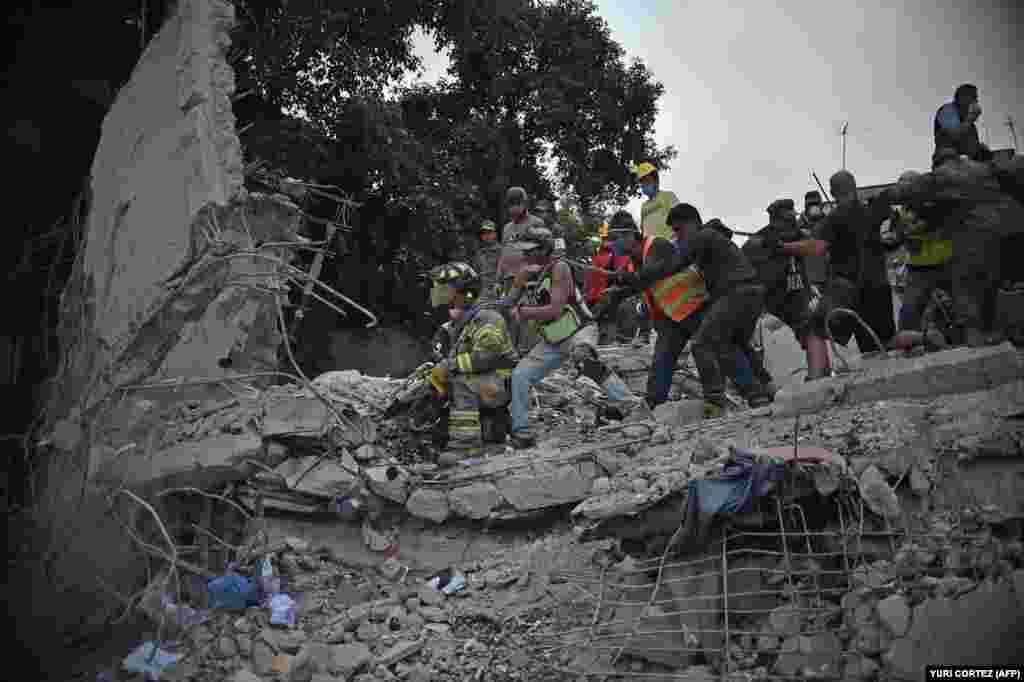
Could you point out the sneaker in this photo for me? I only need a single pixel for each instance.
(523, 440)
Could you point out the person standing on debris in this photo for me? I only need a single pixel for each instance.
(928, 262)
(596, 283)
(858, 275)
(487, 255)
(567, 331)
(722, 280)
(811, 220)
(776, 253)
(477, 364)
(655, 209)
(955, 126)
(987, 223)
(520, 220)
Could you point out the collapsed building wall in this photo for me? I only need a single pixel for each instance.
(178, 277)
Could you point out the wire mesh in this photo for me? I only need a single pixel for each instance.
(756, 604)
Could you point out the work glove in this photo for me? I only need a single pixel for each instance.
(627, 280)
(439, 378)
(606, 304)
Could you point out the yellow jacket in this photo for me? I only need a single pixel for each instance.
(925, 247)
(654, 212)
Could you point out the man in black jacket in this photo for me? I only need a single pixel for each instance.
(735, 299)
(858, 275)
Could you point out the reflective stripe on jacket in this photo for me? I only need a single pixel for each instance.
(677, 296)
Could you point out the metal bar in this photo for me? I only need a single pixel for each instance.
(785, 544)
(726, 663)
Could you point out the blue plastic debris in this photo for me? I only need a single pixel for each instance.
(456, 584)
(282, 610)
(233, 592)
(143, 660)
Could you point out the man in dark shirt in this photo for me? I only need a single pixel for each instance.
(735, 299)
(858, 275)
(955, 125)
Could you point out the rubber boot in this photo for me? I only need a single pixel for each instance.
(522, 440)
(464, 437)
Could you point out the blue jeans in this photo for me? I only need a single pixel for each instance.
(545, 358)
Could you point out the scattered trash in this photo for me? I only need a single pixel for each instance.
(347, 507)
(232, 592)
(184, 615)
(456, 584)
(150, 660)
(282, 610)
(270, 584)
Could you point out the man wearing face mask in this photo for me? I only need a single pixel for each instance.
(659, 202)
(955, 126)
(810, 223)
(556, 309)
(520, 220)
(478, 361)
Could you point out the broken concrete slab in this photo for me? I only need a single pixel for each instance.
(319, 476)
(474, 501)
(528, 492)
(959, 370)
(389, 482)
(398, 652)
(679, 412)
(295, 416)
(204, 464)
(428, 503)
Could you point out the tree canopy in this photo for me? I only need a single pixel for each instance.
(531, 86)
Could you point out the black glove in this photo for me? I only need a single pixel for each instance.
(624, 279)
(772, 245)
(608, 302)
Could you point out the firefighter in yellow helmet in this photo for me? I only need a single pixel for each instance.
(477, 366)
(654, 212)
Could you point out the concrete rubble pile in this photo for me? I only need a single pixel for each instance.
(842, 532)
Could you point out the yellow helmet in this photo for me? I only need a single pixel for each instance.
(644, 169)
(602, 231)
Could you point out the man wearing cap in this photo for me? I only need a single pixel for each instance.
(556, 309)
(595, 284)
(788, 293)
(520, 220)
(487, 255)
(858, 274)
(655, 209)
(677, 297)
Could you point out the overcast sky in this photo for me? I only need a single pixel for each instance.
(756, 92)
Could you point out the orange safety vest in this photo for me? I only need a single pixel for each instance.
(677, 296)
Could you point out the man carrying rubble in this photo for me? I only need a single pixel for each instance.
(722, 280)
(781, 269)
(477, 365)
(988, 222)
(520, 220)
(566, 329)
(595, 284)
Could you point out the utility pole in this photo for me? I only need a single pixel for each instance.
(846, 125)
(1013, 131)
